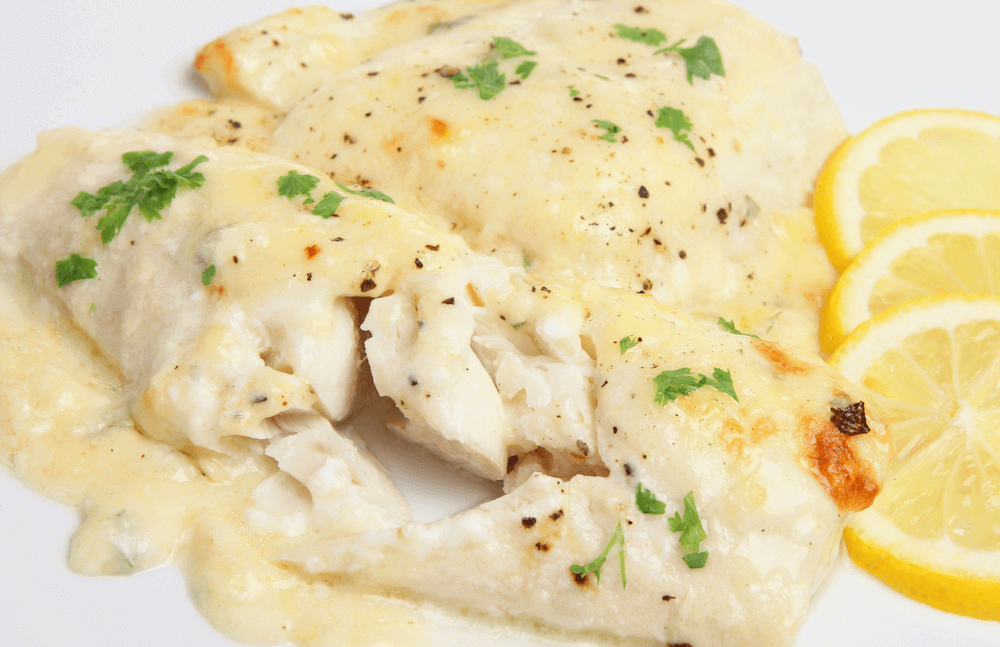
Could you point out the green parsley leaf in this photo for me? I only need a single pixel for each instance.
(721, 381)
(647, 502)
(692, 532)
(206, 276)
(488, 79)
(508, 48)
(113, 221)
(143, 162)
(525, 261)
(368, 193)
(601, 76)
(461, 81)
(677, 122)
(696, 560)
(89, 204)
(75, 268)
(647, 36)
(627, 343)
(295, 183)
(730, 327)
(162, 187)
(610, 128)
(573, 92)
(672, 384)
(147, 189)
(617, 538)
(702, 60)
(524, 69)
(329, 203)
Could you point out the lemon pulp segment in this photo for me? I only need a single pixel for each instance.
(932, 368)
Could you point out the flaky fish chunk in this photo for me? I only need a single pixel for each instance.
(558, 133)
(755, 454)
(281, 59)
(484, 373)
(232, 306)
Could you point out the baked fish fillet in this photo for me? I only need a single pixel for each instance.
(581, 397)
(767, 462)
(279, 60)
(607, 159)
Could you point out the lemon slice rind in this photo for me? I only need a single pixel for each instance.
(838, 205)
(938, 571)
(847, 308)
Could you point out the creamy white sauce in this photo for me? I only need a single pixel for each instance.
(289, 533)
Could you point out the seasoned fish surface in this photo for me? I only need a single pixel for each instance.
(556, 387)
(759, 463)
(605, 159)
(281, 59)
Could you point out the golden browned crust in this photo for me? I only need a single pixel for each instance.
(781, 360)
(850, 480)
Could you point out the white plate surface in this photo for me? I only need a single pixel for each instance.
(96, 63)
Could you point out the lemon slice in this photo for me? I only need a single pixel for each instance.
(910, 163)
(943, 251)
(932, 369)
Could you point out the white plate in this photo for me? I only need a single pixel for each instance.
(97, 63)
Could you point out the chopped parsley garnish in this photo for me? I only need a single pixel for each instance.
(328, 204)
(147, 189)
(295, 183)
(573, 92)
(651, 37)
(617, 538)
(647, 502)
(610, 129)
(368, 193)
(461, 81)
(486, 77)
(524, 69)
(721, 381)
(702, 60)
(508, 48)
(692, 533)
(676, 122)
(627, 343)
(525, 261)
(206, 276)
(679, 382)
(75, 268)
(730, 327)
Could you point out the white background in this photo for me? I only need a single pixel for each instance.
(97, 63)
